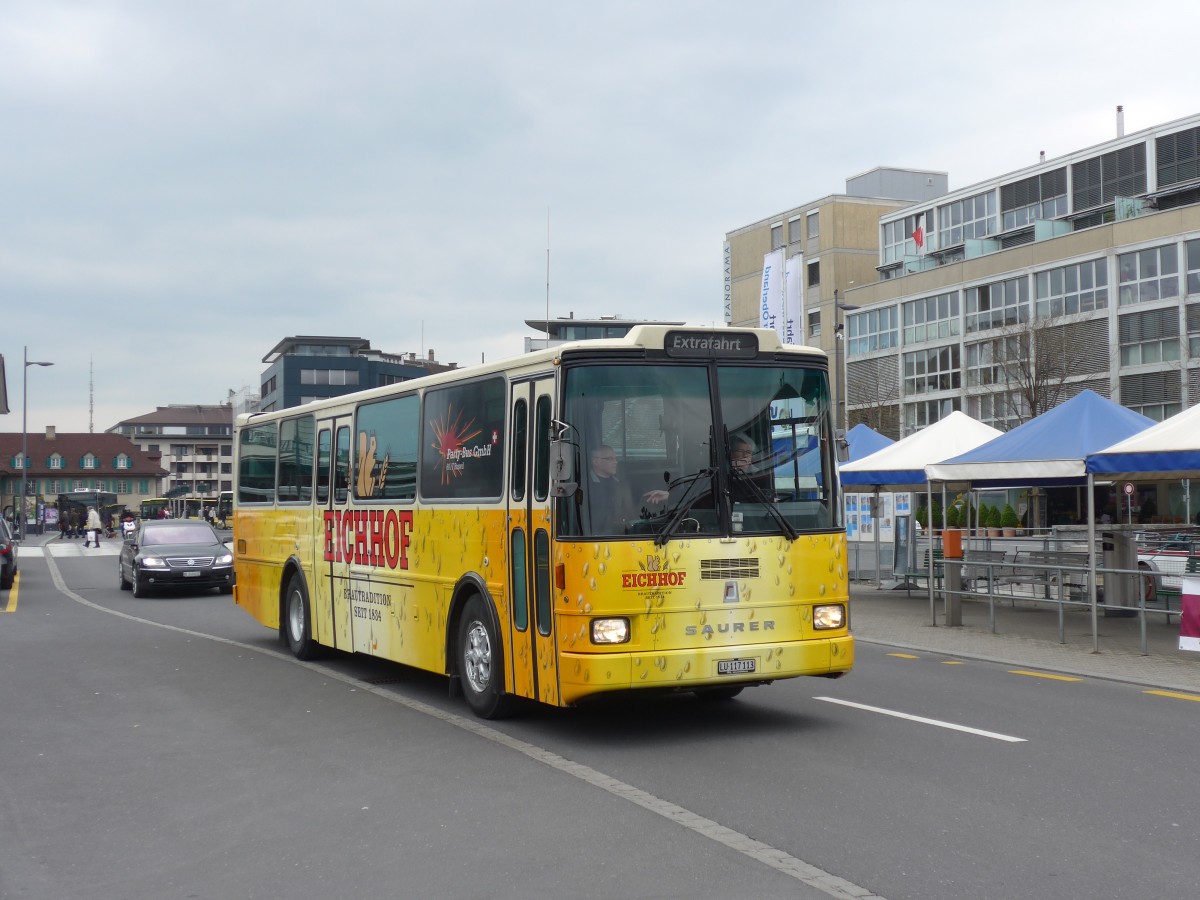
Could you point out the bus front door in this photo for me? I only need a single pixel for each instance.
(331, 614)
(532, 666)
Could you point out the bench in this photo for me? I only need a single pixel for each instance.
(922, 574)
(1047, 567)
(983, 565)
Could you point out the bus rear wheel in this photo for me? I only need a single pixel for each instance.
(719, 694)
(480, 667)
(297, 624)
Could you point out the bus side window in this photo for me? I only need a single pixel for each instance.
(341, 476)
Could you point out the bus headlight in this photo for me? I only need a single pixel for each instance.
(610, 631)
(832, 616)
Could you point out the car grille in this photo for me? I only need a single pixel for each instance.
(189, 562)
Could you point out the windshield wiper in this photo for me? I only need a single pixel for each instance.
(686, 502)
(772, 510)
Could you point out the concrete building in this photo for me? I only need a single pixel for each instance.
(311, 367)
(62, 463)
(560, 330)
(1076, 272)
(195, 443)
(833, 242)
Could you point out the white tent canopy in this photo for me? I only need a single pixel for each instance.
(1169, 449)
(902, 465)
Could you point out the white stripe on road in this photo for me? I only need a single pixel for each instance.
(924, 721)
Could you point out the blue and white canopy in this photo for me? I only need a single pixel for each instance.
(1049, 449)
(1169, 449)
(902, 465)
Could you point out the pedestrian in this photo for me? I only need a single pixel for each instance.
(73, 523)
(93, 527)
(62, 526)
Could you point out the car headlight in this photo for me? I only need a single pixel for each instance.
(224, 560)
(831, 616)
(153, 562)
(610, 631)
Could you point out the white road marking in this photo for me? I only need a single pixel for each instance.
(924, 721)
(780, 861)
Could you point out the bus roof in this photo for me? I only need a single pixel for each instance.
(640, 337)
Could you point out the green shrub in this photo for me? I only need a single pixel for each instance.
(1008, 518)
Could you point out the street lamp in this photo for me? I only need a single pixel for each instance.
(25, 436)
(843, 412)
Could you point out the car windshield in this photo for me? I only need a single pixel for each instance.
(181, 533)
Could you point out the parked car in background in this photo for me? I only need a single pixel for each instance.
(8, 555)
(174, 553)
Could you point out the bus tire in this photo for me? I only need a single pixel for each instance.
(480, 662)
(297, 621)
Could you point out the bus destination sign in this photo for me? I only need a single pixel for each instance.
(710, 345)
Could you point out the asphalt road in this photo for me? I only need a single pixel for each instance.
(168, 748)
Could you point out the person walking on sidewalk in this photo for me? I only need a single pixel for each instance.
(93, 527)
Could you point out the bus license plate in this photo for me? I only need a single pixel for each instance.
(735, 666)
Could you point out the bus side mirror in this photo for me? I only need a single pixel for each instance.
(843, 447)
(562, 469)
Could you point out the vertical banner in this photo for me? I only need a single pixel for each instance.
(771, 307)
(728, 284)
(1189, 621)
(793, 301)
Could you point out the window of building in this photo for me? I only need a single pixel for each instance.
(874, 329)
(971, 217)
(89, 461)
(814, 273)
(1150, 274)
(1042, 196)
(1098, 180)
(269, 385)
(794, 225)
(996, 305)
(898, 237)
(54, 486)
(122, 487)
(1178, 157)
(1191, 251)
(329, 376)
(1149, 337)
(78, 485)
(921, 415)
(123, 461)
(1193, 330)
(181, 449)
(1157, 395)
(931, 318)
(1003, 410)
(776, 236)
(56, 461)
(997, 361)
(813, 223)
(814, 323)
(934, 369)
(1082, 287)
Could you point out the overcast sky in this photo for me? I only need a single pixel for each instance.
(183, 184)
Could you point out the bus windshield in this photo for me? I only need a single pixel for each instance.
(710, 449)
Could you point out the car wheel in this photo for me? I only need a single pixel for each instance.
(6, 578)
(124, 583)
(297, 624)
(480, 663)
(140, 590)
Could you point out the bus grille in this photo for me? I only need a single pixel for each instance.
(722, 569)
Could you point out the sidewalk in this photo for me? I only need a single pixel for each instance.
(1027, 635)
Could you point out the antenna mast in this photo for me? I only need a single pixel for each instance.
(91, 395)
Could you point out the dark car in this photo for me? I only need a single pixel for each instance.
(8, 556)
(174, 553)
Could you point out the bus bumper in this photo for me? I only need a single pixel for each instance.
(583, 674)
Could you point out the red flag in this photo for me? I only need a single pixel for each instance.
(1189, 621)
(918, 236)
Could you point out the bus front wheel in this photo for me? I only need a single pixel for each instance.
(479, 662)
(297, 625)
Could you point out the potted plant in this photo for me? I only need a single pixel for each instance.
(1009, 521)
(993, 522)
(952, 537)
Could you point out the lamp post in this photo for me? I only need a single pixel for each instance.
(843, 412)
(25, 436)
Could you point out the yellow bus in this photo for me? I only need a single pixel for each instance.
(469, 523)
